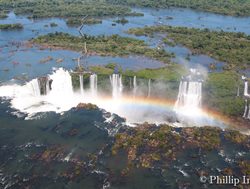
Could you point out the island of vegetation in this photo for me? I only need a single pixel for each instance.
(53, 24)
(3, 14)
(231, 48)
(11, 26)
(234, 7)
(114, 45)
(121, 21)
(79, 21)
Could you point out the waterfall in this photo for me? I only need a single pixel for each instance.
(130, 83)
(35, 88)
(93, 84)
(62, 83)
(81, 84)
(51, 93)
(189, 96)
(246, 94)
(246, 114)
(149, 87)
(134, 86)
(116, 83)
(44, 85)
(245, 110)
(238, 92)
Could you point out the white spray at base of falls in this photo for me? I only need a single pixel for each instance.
(116, 83)
(28, 98)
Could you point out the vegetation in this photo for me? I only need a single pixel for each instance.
(232, 48)
(78, 21)
(148, 145)
(65, 8)
(53, 24)
(121, 21)
(11, 26)
(3, 15)
(232, 7)
(87, 106)
(102, 45)
(220, 92)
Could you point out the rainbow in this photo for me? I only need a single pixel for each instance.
(167, 104)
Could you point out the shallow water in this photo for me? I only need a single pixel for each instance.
(181, 17)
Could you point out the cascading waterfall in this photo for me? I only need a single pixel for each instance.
(81, 84)
(149, 88)
(190, 94)
(34, 84)
(246, 109)
(93, 84)
(116, 83)
(59, 97)
(238, 92)
(246, 94)
(35, 88)
(246, 114)
(44, 84)
(134, 86)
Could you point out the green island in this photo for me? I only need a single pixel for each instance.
(11, 26)
(3, 14)
(231, 48)
(114, 45)
(232, 7)
(64, 8)
(53, 24)
(79, 21)
(121, 21)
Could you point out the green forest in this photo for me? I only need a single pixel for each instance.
(78, 8)
(230, 7)
(64, 8)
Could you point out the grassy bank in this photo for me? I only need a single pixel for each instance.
(231, 48)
